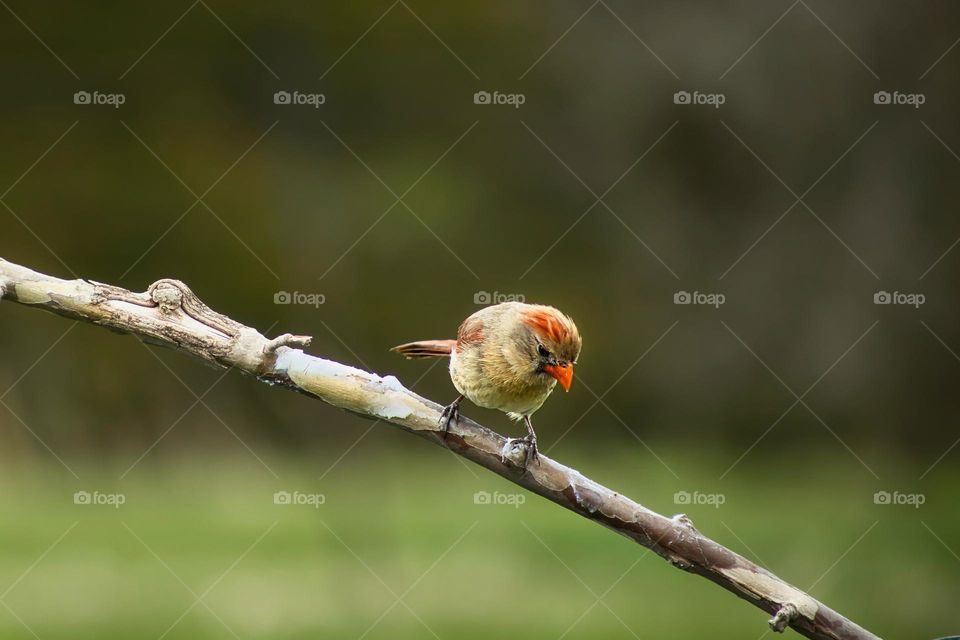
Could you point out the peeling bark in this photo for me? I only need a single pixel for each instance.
(169, 314)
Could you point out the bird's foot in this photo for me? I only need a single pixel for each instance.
(450, 413)
(533, 454)
(520, 451)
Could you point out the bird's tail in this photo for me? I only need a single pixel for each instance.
(426, 348)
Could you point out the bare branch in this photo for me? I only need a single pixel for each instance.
(170, 315)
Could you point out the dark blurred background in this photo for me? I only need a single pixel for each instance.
(826, 178)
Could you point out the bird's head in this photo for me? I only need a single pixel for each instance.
(551, 342)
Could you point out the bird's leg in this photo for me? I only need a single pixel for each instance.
(531, 441)
(451, 413)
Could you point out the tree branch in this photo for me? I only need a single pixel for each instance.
(170, 315)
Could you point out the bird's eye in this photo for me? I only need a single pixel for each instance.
(543, 351)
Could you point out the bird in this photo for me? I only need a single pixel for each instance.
(507, 356)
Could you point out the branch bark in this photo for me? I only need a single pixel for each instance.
(170, 315)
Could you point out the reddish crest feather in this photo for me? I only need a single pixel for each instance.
(547, 325)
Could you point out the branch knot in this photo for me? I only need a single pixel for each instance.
(172, 295)
(784, 616)
(167, 295)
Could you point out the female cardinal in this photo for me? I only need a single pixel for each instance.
(507, 356)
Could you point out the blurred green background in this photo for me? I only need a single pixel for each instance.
(404, 205)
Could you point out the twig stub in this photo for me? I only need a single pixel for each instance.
(783, 617)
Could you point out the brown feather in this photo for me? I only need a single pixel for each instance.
(426, 348)
(469, 333)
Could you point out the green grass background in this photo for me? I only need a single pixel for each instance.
(407, 524)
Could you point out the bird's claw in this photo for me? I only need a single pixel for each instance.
(450, 413)
(533, 454)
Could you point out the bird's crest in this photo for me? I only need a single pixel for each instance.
(553, 326)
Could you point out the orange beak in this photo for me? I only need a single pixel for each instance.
(562, 372)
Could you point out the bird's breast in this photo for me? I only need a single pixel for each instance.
(493, 389)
